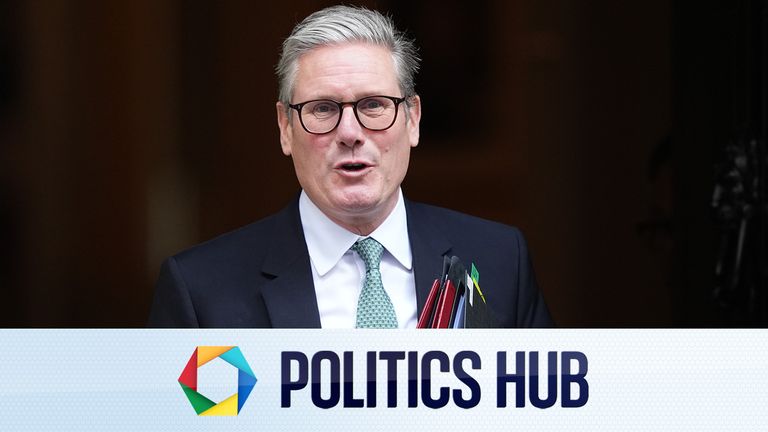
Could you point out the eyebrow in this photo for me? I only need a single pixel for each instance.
(356, 98)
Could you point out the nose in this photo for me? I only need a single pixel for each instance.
(350, 131)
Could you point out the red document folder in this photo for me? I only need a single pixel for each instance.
(445, 306)
(425, 320)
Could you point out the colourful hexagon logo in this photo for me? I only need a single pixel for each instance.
(230, 406)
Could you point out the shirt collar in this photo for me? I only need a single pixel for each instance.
(393, 233)
(328, 242)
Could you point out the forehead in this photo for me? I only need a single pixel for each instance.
(345, 71)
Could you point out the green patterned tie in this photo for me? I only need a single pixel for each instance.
(374, 309)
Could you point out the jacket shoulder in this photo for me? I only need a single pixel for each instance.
(457, 226)
(247, 242)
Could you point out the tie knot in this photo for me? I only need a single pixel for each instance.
(370, 252)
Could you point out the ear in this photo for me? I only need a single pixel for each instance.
(413, 120)
(286, 131)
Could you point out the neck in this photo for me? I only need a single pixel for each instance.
(361, 222)
(362, 227)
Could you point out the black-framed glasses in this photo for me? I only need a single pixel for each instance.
(376, 113)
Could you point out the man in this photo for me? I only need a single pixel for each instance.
(349, 251)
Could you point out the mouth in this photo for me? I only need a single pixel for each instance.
(352, 167)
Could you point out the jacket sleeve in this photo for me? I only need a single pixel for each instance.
(172, 305)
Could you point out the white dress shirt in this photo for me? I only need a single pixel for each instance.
(338, 272)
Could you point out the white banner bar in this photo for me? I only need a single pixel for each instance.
(384, 380)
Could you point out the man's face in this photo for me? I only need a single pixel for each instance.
(345, 73)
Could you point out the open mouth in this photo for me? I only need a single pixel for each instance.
(352, 167)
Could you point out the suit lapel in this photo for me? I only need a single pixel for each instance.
(428, 246)
(290, 296)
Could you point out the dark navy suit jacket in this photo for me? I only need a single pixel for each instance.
(260, 275)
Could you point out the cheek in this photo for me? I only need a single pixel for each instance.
(311, 158)
(398, 157)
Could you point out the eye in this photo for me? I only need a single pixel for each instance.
(371, 104)
(323, 109)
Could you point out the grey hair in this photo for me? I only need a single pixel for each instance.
(340, 24)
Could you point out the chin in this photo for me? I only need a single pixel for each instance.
(358, 203)
(357, 206)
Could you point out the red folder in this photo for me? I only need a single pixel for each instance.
(445, 306)
(429, 307)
